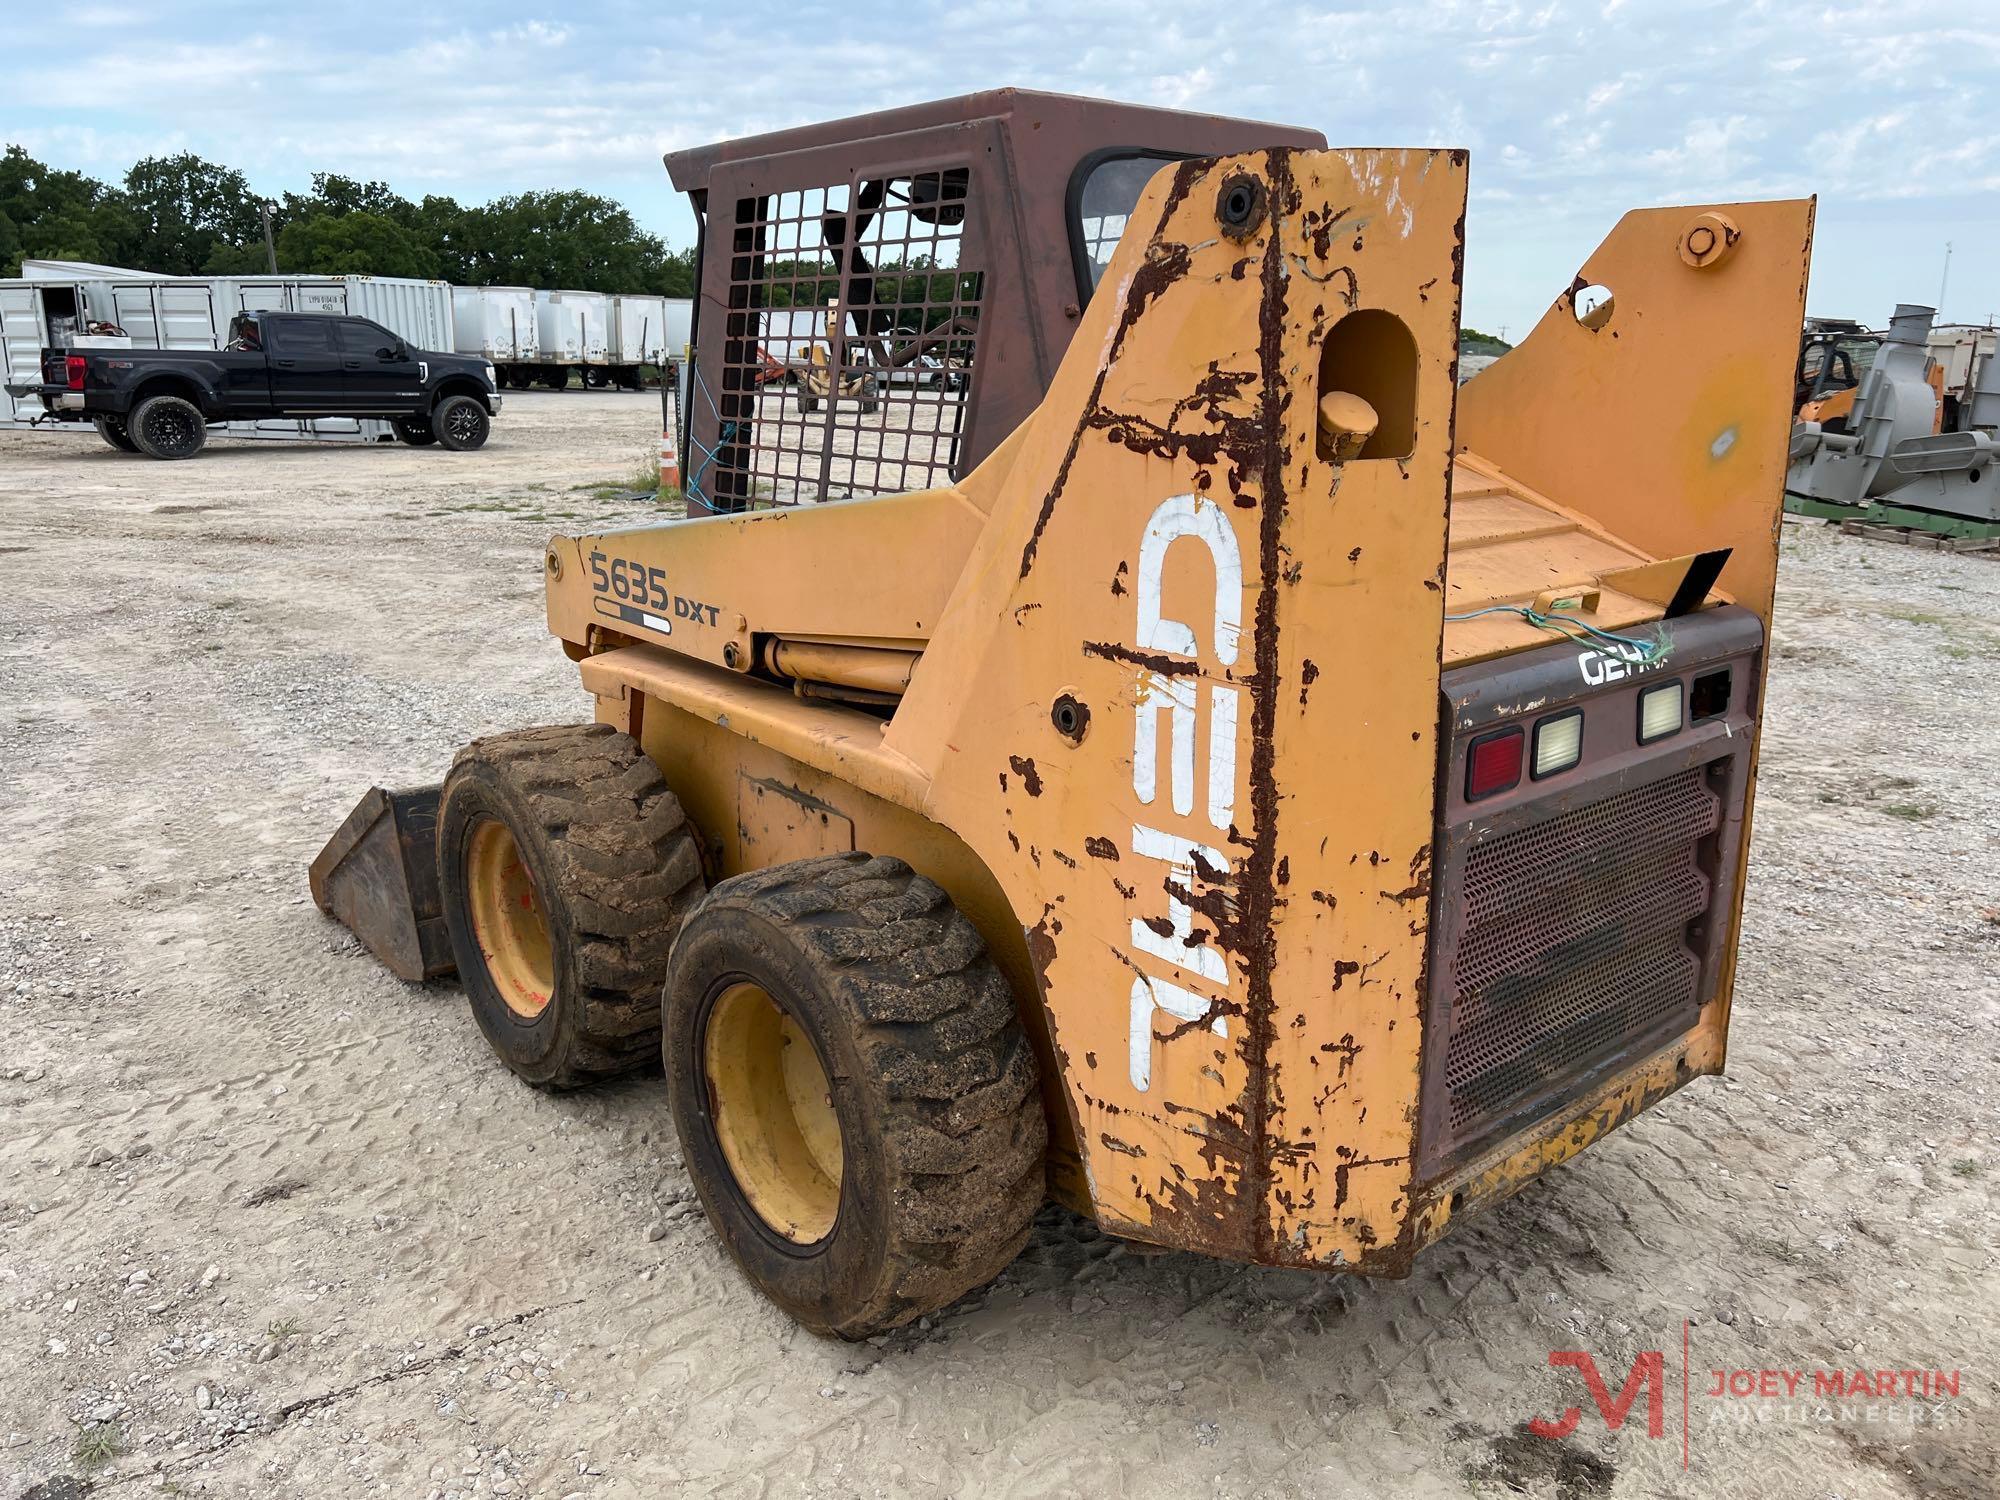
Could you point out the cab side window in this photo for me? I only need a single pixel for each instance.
(1103, 192)
(360, 340)
(298, 336)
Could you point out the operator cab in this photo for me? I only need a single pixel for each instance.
(882, 300)
(1834, 355)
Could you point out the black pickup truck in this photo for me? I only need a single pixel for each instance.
(161, 402)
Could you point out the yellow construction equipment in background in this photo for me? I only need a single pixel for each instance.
(817, 384)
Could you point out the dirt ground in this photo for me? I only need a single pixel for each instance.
(272, 1223)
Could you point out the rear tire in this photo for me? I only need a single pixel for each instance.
(113, 431)
(594, 378)
(555, 380)
(416, 431)
(168, 427)
(897, 1161)
(461, 423)
(565, 869)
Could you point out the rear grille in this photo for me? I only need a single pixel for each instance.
(1573, 944)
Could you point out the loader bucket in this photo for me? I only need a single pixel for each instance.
(378, 876)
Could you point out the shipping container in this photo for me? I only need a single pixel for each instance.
(419, 312)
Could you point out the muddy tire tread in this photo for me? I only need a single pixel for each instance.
(630, 870)
(935, 1021)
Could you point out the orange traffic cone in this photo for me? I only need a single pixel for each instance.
(670, 461)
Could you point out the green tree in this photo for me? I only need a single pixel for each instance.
(185, 208)
(238, 260)
(674, 276)
(185, 216)
(339, 196)
(353, 244)
(50, 214)
(444, 226)
(561, 239)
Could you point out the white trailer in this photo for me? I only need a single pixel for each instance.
(499, 323)
(573, 331)
(646, 330)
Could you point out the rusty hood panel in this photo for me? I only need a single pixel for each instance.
(1225, 877)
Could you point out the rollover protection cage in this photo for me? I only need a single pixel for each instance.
(936, 257)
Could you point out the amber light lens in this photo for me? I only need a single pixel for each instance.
(1493, 764)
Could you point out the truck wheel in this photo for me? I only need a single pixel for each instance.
(855, 1099)
(461, 423)
(168, 427)
(555, 380)
(565, 868)
(594, 378)
(416, 431)
(112, 430)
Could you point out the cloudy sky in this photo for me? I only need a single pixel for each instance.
(1573, 112)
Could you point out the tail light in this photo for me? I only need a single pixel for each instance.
(1493, 764)
(75, 366)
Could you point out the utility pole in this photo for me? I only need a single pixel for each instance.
(1944, 279)
(270, 249)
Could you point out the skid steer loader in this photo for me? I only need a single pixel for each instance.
(1265, 796)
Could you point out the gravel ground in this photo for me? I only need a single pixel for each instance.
(273, 1223)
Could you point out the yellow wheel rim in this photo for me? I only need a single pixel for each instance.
(773, 1113)
(507, 920)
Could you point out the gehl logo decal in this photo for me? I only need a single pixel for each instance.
(1190, 716)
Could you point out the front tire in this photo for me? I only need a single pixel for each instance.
(168, 427)
(565, 869)
(113, 431)
(461, 423)
(855, 1098)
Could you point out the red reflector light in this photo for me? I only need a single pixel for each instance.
(75, 366)
(1493, 764)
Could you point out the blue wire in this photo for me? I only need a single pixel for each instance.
(1649, 650)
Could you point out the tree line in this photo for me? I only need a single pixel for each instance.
(183, 216)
